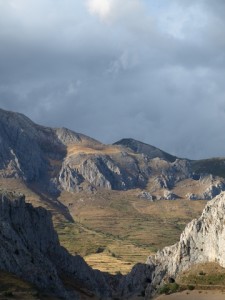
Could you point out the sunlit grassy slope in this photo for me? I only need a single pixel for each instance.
(114, 230)
(208, 275)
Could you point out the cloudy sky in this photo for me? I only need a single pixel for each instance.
(153, 70)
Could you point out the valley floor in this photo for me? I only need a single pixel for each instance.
(114, 230)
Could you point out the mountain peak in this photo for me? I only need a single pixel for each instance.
(143, 148)
(67, 136)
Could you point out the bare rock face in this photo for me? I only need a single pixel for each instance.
(170, 196)
(166, 174)
(70, 179)
(29, 248)
(120, 171)
(215, 186)
(213, 190)
(15, 132)
(203, 240)
(26, 148)
(67, 137)
(101, 171)
(191, 196)
(146, 195)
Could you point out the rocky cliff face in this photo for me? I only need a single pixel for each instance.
(214, 186)
(29, 248)
(103, 171)
(203, 240)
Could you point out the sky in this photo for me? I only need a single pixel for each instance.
(152, 70)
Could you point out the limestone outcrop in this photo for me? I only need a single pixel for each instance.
(214, 186)
(203, 240)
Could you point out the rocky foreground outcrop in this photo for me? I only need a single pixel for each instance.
(29, 248)
(203, 240)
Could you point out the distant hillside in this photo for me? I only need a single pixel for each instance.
(214, 166)
(58, 159)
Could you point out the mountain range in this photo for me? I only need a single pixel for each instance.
(58, 159)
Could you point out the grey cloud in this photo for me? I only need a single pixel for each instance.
(123, 78)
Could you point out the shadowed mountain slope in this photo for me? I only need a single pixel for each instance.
(30, 249)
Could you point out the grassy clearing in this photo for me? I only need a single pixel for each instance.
(98, 149)
(170, 288)
(101, 251)
(108, 262)
(206, 275)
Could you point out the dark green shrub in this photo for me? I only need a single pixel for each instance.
(201, 273)
(100, 249)
(169, 288)
(191, 287)
(8, 294)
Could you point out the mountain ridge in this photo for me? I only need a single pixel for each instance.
(59, 159)
(149, 150)
(48, 147)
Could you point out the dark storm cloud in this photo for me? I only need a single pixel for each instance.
(112, 70)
